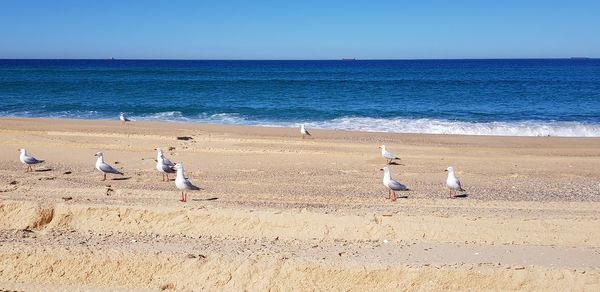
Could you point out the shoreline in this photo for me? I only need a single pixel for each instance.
(280, 212)
(217, 127)
(272, 125)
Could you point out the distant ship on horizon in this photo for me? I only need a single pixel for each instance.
(348, 59)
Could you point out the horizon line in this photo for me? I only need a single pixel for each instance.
(338, 59)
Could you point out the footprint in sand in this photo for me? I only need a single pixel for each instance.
(10, 187)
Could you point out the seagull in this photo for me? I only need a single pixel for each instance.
(303, 131)
(29, 160)
(452, 183)
(389, 156)
(165, 166)
(182, 183)
(104, 167)
(123, 118)
(391, 184)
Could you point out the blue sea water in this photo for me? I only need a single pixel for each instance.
(531, 97)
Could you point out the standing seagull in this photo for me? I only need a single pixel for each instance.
(123, 118)
(182, 183)
(104, 167)
(164, 165)
(29, 160)
(389, 156)
(391, 184)
(452, 183)
(303, 131)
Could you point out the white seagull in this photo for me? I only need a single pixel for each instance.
(452, 183)
(392, 185)
(29, 160)
(389, 156)
(182, 183)
(104, 167)
(164, 165)
(303, 131)
(123, 118)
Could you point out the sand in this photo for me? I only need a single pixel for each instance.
(278, 212)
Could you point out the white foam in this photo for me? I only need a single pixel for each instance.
(403, 125)
(168, 116)
(392, 125)
(434, 126)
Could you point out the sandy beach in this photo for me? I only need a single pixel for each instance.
(278, 212)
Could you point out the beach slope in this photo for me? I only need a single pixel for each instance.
(279, 212)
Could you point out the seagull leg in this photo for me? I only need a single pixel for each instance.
(183, 197)
(104, 177)
(451, 195)
(167, 175)
(389, 194)
(394, 199)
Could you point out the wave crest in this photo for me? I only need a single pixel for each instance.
(435, 126)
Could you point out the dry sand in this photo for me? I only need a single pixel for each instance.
(282, 213)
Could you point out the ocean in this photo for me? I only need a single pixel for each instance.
(522, 97)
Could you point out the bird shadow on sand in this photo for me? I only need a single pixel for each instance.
(461, 196)
(402, 197)
(43, 170)
(395, 163)
(207, 199)
(121, 178)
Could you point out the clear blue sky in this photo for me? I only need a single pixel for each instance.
(299, 30)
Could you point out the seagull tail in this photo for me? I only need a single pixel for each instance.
(40, 161)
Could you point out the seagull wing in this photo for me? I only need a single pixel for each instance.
(31, 160)
(109, 169)
(189, 185)
(168, 162)
(459, 186)
(389, 155)
(396, 186)
(167, 168)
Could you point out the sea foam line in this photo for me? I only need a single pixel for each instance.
(404, 125)
(367, 124)
(437, 126)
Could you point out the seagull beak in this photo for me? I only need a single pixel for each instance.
(381, 169)
(445, 170)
